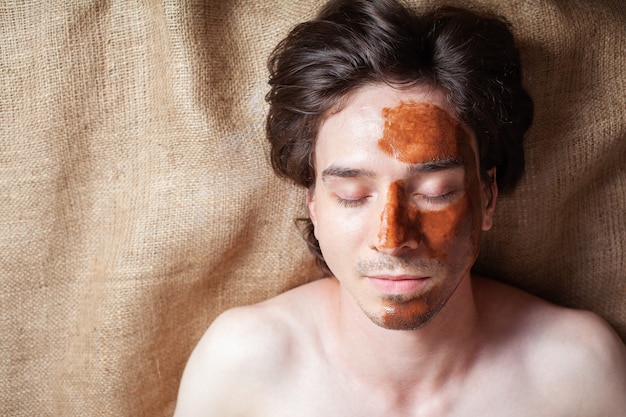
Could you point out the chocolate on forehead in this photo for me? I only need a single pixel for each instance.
(419, 132)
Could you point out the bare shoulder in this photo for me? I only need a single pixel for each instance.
(242, 349)
(232, 357)
(580, 359)
(571, 356)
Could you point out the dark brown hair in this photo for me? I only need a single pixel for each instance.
(471, 57)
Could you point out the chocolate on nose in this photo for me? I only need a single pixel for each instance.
(394, 219)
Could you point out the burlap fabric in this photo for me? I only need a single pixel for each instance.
(136, 200)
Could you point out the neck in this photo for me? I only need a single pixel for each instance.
(430, 356)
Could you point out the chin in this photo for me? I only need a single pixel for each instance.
(411, 315)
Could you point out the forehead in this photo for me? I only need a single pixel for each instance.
(410, 125)
(414, 132)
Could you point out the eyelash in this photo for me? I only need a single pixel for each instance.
(351, 203)
(438, 198)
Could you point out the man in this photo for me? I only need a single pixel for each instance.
(402, 129)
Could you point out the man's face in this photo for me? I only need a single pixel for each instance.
(398, 205)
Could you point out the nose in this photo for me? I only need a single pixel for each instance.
(399, 228)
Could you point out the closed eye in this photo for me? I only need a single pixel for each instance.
(345, 202)
(438, 199)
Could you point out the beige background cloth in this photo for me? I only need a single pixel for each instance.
(137, 202)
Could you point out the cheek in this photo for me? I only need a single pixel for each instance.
(450, 232)
(339, 239)
(335, 229)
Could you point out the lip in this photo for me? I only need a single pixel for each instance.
(397, 284)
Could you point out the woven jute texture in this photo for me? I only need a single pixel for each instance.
(137, 202)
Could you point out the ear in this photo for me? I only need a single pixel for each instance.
(310, 203)
(490, 194)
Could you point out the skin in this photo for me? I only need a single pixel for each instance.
(398, 206)
(403, 328)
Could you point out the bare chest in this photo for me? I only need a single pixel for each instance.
(328, 394)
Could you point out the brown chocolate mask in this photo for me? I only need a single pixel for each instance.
(418, 133)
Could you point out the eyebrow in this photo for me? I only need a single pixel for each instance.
(437, 165)
(336, 171)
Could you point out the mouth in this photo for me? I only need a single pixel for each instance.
(397, 285)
